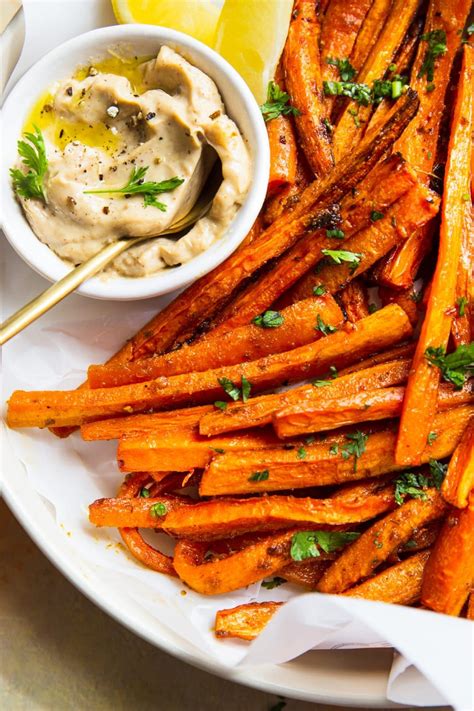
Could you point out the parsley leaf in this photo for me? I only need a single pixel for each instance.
(246, 388)
(233, 391)
(336, 234)
(230, 389)
(307, 544)
(136, 185)
(376, 215)
(360, 93)
(273, 583)
(355, 446)
(461, 303)
(437, 472)
(220, 404)
(260, 476)
(325, 328)
(33, 154)
(320, 383)
(319, 290)
(158, 510)
(436, 40)
(301, 453)
(345, 68)
(454, 366)
(432, 436)
(277, 103)
(341, 255)
(144, 492)
(414, 484)
(269, 319)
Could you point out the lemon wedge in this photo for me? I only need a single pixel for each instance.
(251, 35)
(197, 18)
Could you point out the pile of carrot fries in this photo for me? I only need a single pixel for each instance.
(355, 287)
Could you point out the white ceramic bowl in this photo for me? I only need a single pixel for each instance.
(142, 39)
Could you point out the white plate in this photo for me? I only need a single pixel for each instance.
(352, 678)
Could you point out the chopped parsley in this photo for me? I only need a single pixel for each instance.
(325, 328)
(414, 484)
(269, 319)
(436, 46)
(277, 103)
(341, 255)
(461, 304)
(144, 492)
(432, 436)
(345, 68)
(33, 154)
(454, 366)
(319, 290)
(336, 234)
(273, 583)
(309, 544)
(437, 472)
(355, 446)
(158, 510)
(246, 388)
(372, 308)
(320, 383)
(363, 94)
(260, 476)
(220, 404)
(218, 450)
(376, 215)
(301, 453)
(233, 391)
(334, 449)
(136, 185)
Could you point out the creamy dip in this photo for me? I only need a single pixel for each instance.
(170, 120)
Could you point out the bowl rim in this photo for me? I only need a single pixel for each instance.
(42, 259)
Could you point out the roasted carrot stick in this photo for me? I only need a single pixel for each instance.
(369, 32)
(259, 411)
(398, 353)
(414, 209)
(449, 573)
(245, 621)
(136, 513)
(302, 63)
(276, 332)
(353, 409)
(330, 462)
(359, 559)
(283, 151)
(307, 573)
(182, 450)
(461, 327)
(41, 409)
(422, 387)
(348, 131)
(459, 480)
(419, 141)
(354, 300)
(286, 198)
(249, 565)
(407, 299)
(383, 186)
(400, 584)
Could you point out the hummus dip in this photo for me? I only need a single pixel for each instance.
(100, 126)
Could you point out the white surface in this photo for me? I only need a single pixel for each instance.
(142, 40)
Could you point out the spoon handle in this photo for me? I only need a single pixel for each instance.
(55, 293)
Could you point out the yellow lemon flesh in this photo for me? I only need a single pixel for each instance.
(197, 18)
(251, 35)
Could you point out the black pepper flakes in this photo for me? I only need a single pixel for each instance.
(105, 210)
(150, 116)
(69, 91)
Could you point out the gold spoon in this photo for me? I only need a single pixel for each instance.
(55, 293)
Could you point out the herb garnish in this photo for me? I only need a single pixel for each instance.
(301, 453)
(144, 492)
(414, 484)
(376, 215)
(345, 68)
(158, 510)
(33, 154)
(436, 40)
(319, 290)
(437, 472)
(273, 583)
(269, 319)
(341, 255)
(355, 447)
(233, 391)
(365, 95)
(337, 234)
(320, 383)
(260, 476)
(325, 328)
(277, 103)
(461, 303)
(432, 436)
(454, 366)
(307, 544)
(246, 388)
(220, 404)
(136, 185)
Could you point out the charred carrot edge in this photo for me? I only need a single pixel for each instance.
(245, 621)
(259, 411)
(348, 132)
(339, 29)
(400, 584)
(246, 566)
(381, 329)
(422, 387)
(322, 464)
(449, 573)
(407, 299)
(302, 63)
(383, 186)
(359, 559)
(420, 139)
(354, 300)
(398, 353)
(369, 32)
(330, 414)
(295, 327)
(132, 537)
(182, 450)
(413, 210)
(307, 573)
(459, 479)
(286, 198)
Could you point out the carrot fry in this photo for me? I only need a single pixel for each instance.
(369, 32)
(282, 153)
(449, 573)
(221, 518)
(339, 29)
(183, 450)
(420, 139)
(224, 574)
(307, 574)
(322, 464)
(302, 64)
(355, 301)
(414, 209)
(245, 621)
(330, 414)
(139, 512)
(359, 559)
(398, 353)
(422, 387)
(286, 198)
(295, 327)
(407, 299)
(399, 584)
(132, 537)
(259, 410)
(459, 480)
(348, 132)
(384, 185)
(461, 327)
(41, 409)
(133, 425)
